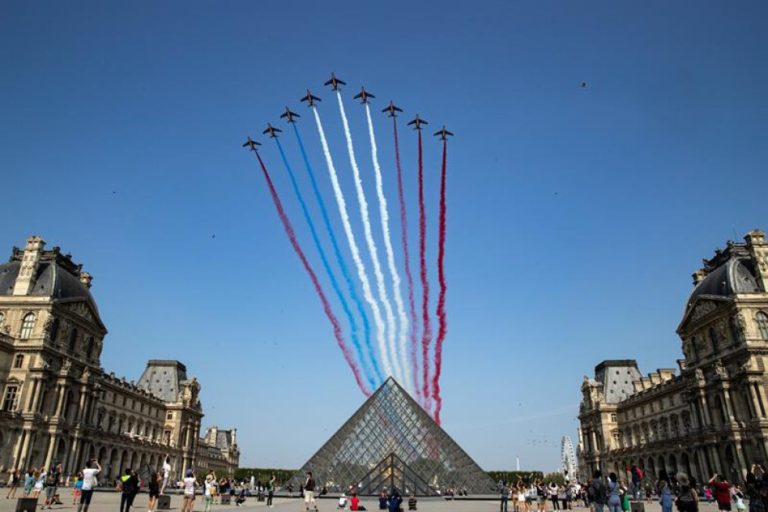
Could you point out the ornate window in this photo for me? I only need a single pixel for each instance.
(73, 339)
(54, 333)
(713, 339)
(733, 324)
(27, 325)
(18, 362)
(89, 348)
(11, 398)
(762, 325)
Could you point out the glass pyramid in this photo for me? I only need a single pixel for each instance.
(390, 441)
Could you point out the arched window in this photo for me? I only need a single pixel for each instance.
(713, 339)
(89, 348)
(18, 362)
(27, 325)
(54, 333)
(73, 339)
(762, 324)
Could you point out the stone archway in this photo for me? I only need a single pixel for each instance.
(672, 469)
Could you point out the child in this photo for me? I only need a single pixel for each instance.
(342, 502)
(29, 481)
(77, 488)
(412, 502)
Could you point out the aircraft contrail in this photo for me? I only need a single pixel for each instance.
(442, 323)
(370, 242)
(361, 273)
(288, 227)
(407, 260)
(326, 264)
(340, 259)
(384, 214)
(426, 337)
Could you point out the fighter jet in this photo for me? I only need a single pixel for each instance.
(288, 115)
(392, 109)
(335, 82)
(417, 122)
(251, 144)
(272, 131)
(310, 99)
(443, 133)
(363, 95)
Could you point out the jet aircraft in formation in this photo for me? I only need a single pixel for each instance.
(251, 144)
(443, 134)
(392, 109)
(288, 115)
(417, 122)
(272, 131)
(335, 82)
(363, 95)
(310, 99)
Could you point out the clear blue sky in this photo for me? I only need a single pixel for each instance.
(576, 215)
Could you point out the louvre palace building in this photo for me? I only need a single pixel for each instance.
(708, 414)
(60, 405)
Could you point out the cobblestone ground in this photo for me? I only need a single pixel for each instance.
(110, 502)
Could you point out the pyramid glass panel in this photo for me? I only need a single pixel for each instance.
(391, 441)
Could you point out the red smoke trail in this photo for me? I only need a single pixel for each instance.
(427, 332)
(318, 288)
(442, 328)
(406, 257)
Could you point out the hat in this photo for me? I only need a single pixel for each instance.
(682, 479)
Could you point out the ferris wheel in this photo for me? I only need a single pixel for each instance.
(568, 458)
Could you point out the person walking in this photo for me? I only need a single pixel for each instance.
(210, 490)
(51, 483)
(664, 490)
(154, 491)
(39, 483)
(77, 489)
(271, 490)
(614, 493)
(92, 468)
(189, 491)
(309, 492)
(128, 485)
(504, 496)
(687, 497)
(166, 473)
(14, 476)
(721, 489)
(553, 492)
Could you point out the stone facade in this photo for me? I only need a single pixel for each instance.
(709, 414)
(59, 404)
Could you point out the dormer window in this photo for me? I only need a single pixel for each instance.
(27, 325)
(73, 340)
(18, 362)
(762, 325)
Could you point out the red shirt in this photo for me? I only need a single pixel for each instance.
(354, 502)
(722, 492)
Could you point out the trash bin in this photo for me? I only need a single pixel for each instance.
(636, 506)
(164, 502)
(26, 504)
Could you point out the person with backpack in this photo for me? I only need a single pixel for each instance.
(687, 497)
(664, 489)
(614, 491)
(51, 484)
(597, 491)
(128, 485)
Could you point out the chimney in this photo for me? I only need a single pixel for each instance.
(86, 278)
(234, 437)
(699, 276)
(758, 249)
(29, 262)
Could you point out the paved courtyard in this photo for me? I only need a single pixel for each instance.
(110, 501)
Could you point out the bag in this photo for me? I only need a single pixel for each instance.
(740, 504)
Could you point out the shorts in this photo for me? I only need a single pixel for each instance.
(190, 497)
(309, 496)
(154, 494)
(50, 492)
(85, 496)
(724, 506)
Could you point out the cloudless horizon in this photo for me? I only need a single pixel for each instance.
(576, 214)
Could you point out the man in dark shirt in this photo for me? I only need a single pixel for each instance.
(129, 487)
(309, 492)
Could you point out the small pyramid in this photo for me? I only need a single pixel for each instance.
(390, 441)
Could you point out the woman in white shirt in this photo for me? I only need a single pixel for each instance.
(189, 491)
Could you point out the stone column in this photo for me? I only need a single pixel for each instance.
(728, 405)
(32, 395)
(60, 401)
(51, 449)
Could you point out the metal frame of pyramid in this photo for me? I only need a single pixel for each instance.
(391, 441)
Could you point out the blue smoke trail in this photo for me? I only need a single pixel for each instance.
(340, 259)
(326, 265)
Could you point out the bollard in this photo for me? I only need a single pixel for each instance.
(163, 502)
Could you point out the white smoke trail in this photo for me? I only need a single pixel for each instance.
(382, 289)
(384, 214)
(361, 273)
